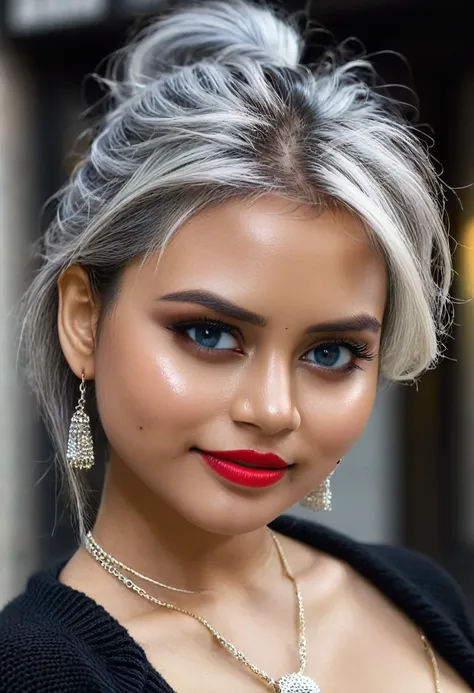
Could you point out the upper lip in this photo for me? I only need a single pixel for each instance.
(250, 457)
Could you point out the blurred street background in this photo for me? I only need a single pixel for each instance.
(410, 478)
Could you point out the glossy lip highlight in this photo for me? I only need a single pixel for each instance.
(246, 467)
(250, 458)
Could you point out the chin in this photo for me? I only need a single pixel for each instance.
(232, 516)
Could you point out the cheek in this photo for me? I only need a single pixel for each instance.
(145, 382)
(339, 413)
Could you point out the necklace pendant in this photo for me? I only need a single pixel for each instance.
(297, 683)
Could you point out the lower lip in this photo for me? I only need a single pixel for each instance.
(252, 477)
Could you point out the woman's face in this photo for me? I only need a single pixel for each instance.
(258, 330)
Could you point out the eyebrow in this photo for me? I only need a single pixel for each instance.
(356, 323)
(208, 299)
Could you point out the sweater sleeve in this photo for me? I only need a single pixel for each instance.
(36, 659)
(432, 581)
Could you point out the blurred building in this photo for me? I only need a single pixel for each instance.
(410, 479)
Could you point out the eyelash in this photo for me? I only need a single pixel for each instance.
(180, 328)
(361, 350)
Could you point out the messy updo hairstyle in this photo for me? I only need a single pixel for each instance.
(209, 102)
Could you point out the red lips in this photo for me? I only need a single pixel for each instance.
(246, 467)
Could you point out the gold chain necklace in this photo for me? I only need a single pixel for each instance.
(295, 682)
(434, 662)
(99, 553)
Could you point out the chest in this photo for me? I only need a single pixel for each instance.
(356, 658)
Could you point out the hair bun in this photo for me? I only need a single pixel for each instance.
(226, 31)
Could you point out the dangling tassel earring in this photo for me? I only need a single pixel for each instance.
(321, 497)
(80, 447)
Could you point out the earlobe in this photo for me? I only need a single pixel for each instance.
(77, 320)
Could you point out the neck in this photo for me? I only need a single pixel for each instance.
(141, 530)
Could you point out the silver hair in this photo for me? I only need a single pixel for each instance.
(209, 102)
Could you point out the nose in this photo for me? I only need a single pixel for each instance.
(265, 397)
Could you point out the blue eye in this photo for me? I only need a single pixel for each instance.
(335, 356)
(209, 336)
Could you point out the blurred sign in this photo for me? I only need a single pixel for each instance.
(31, 16)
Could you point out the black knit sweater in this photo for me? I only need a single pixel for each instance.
(54, 639)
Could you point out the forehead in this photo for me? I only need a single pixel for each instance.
(271, 253)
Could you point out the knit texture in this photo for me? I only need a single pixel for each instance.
(54, 639)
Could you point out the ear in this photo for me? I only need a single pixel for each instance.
(78, 314)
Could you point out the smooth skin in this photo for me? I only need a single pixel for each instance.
(291, 366)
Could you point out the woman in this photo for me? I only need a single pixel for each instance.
(248, 247)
